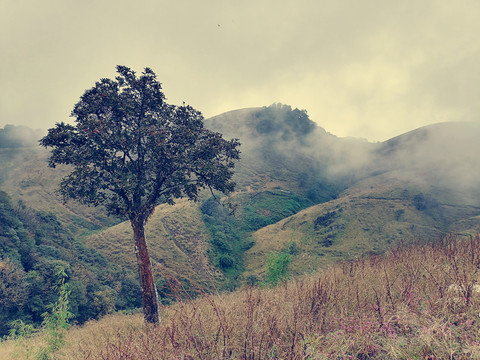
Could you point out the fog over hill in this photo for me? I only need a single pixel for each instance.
(12, 136)
(444, 154)
(418, 185)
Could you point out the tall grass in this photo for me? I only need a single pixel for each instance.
(395, 306)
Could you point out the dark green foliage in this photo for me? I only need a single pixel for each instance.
(269, 207)
(228, 240)
(430, 206)
(399, 214)
(316, 187)
(290, 248)
(225, 261)
(34, 246)
(328, 240)
(219, 240)
(131, 151)
(320, 192)
(14, 293)
(325, 220)
(15, 243)
(129, 296)
(280, 121)
(424, 203)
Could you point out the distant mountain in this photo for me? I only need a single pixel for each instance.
(300, 191)
(12, 136)
(416, 186)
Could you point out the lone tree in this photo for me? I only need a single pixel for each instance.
(131, 151)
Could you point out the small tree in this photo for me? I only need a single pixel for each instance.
(131, 151)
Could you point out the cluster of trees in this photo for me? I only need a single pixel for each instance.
(283, 122)
(229, 240)
(34, 246)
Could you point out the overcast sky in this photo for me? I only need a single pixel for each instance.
(371, 69)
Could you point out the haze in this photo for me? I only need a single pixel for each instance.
(369, 69)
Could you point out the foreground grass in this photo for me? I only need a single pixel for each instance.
(395, 306)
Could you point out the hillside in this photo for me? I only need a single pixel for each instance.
(414, 302)
(417, 186)
(301, 191)
(26, 176)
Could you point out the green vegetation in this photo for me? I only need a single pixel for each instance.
(56, 321)
(290, 219)
(231, 232)
(277, 268)
(54, 325)
(268, 207)
(34, 247)
(279, 121)
(398, 306)
(227, 239)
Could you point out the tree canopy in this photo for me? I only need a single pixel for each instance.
(132, 151)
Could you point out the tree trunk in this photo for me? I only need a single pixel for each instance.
(149, 291)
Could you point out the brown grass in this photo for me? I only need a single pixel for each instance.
(395, 306)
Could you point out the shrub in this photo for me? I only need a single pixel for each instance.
(225, 261)
(399, 214)
(277, 268)
(290, 248)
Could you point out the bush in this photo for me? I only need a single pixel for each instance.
(291, 248)
(225, 261)
(325, 220)
(277, 268)
(251, 280)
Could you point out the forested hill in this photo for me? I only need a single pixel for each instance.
(35, 246)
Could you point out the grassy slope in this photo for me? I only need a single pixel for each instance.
(177, 239)
(27, 177)
(396, 306)
(367, 218)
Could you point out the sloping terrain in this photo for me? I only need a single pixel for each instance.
(178, 243)
(417, 186)
(361, 221)
(300, 191)
(26, 176)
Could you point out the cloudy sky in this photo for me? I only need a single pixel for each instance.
(371, 69)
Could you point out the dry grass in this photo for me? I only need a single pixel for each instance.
(7, 350)
(392, 307)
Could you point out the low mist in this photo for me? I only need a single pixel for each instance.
(442, 156)
(12, 136)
